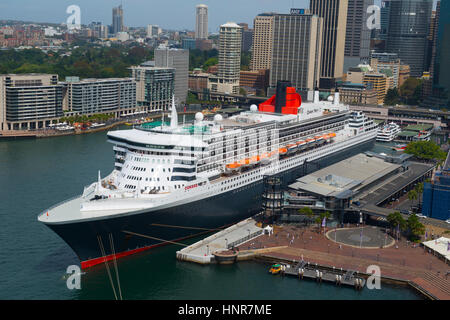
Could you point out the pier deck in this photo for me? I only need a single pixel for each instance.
(202, 251)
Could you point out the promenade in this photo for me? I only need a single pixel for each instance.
(400, 261)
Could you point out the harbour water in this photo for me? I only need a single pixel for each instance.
(35, 174)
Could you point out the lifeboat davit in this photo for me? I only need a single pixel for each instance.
(265, 158)
(319, 140)
(301, 145)
(310, 142)
(291, 148)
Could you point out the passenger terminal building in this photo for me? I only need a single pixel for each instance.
(334, 187)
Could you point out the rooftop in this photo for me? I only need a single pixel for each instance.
(340, 180)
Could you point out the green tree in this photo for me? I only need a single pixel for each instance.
(410, 91)
(396, 219)
(426, 150)
(392, 97)
(415, 228)
(307, 212)
(412, 195)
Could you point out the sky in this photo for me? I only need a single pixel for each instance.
(168, 14)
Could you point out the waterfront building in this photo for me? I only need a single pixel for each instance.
(117, 19)
(92, 96)
(357, 36)
(436, 194)
(154, 87)
(201, 22)
(179, 60)
(29, 101)
(229, 58)
(262, 42)
(408, 31)
(334, 14)
(296, 52)
(198, 81)
(334, 187)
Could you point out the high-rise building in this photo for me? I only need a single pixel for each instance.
(262, 42)
(29, 101)
(154, 87)
(334, 14)
(153, 31)
(408, 31)
(91, 96)
(357, 34)
(441, 74)
(296, 52)
(382, 61)
(247, 37)
(384, 19)
(201, 23)
(229, 57)
(99, 30)
(117, 19)
(179, 60)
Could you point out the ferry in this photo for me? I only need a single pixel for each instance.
(388, 132)
(172, 181)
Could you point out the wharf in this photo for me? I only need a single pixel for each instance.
(203, 251)
(320, 273)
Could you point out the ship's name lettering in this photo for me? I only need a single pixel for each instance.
(190, 187)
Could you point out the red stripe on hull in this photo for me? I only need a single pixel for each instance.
(95, 261)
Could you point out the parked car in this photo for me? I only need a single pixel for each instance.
(421, 216)
(448, 221)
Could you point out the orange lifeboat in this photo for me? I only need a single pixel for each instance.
(283, 150)
(232, 167)
(332, 135)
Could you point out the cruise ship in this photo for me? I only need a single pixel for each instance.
(388, 132)
(174, 180)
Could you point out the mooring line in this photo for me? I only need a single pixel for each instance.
(183, 227)
(153, 238)
(102, 249)
(111, 242)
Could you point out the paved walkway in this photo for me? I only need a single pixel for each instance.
(401, 261)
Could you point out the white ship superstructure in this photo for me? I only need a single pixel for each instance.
(388, 132)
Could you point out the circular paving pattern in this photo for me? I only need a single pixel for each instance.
(366, 237)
